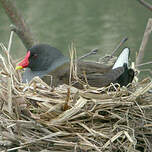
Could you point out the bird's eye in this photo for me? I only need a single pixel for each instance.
(34, 55)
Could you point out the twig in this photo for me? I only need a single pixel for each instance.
(10, 41)
(16, 148)
(146, 63)
(146, 4)
(71, 51)
(119, 45)
(3, 60)
(66, 106)
(10, 96)
(92, 52)
(19, 27)
(148, 30)
(10, 80)
(108, 57)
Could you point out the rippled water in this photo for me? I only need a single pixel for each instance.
(90, 24)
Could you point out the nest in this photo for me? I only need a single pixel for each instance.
(37, 117)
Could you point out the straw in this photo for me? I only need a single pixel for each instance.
(34, 116)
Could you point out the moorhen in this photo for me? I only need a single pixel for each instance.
(42, 60)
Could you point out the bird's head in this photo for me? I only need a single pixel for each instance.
(39, 57)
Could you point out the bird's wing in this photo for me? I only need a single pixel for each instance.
(101, 80)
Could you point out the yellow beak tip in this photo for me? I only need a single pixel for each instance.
(18, 68)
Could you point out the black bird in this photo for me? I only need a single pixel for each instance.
(42, 60)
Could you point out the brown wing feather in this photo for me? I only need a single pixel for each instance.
(101, 80)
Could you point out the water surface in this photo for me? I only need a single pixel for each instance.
(90, 24)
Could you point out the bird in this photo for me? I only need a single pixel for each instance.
(120, 73)
(42, 60)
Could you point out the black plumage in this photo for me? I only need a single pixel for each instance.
(45, 60)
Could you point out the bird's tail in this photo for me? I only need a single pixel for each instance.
(123, 58)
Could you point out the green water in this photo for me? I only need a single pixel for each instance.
(89, 23)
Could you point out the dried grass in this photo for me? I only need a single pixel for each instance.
(36, 117)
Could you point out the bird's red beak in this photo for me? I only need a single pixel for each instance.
(24, 63)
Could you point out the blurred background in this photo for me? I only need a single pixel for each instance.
(90, 24)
